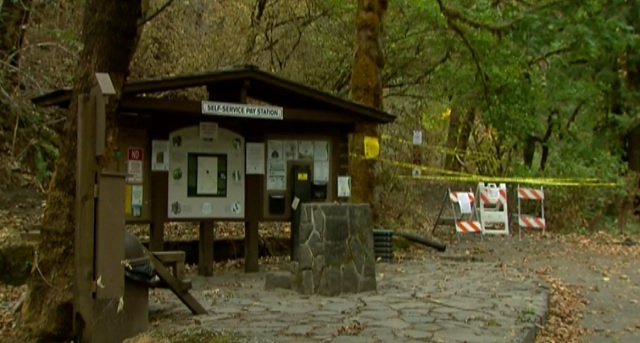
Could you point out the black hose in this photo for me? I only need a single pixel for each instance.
(424, 241)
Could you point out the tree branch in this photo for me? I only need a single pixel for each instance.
(474, 54)
(155, 13)
(420, 78)
(454, 15)
(549, 54)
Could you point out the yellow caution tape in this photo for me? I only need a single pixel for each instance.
(531, 181)
(451, 175)
(439, 148)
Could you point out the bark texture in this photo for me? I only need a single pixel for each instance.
(109, 36)
(14, 16)
(366, 88)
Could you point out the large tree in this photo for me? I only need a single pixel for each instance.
(14, 16)
(366, 88)
(109, 36)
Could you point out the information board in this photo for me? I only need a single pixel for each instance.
(206, 174)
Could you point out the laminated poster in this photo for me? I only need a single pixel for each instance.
(305, 150)
(159, 155)
(276, 175)
(321, 171)
(275, 150)
(255, 158)
(344, 186)
(321, 151)
(291, 150)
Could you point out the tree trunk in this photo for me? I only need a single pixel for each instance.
(14, 16)
(109, 36)
(366, 88)
(460, 127)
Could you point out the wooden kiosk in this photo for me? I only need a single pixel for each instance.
(230, 157)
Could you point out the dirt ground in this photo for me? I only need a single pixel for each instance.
(594, 280)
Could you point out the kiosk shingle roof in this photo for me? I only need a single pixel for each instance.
(260, 85)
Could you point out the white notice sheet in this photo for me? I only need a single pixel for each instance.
(207, 175)
(464, 202)
(255, 158)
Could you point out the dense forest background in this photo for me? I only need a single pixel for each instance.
(500, 88)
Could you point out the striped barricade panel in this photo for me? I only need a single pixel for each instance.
(467, 226)
(453, 196)
(494, 214)
(531, 193)
(491, 199)
(532, 222)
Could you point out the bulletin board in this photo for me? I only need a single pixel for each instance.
(282, 154)
(206, 173)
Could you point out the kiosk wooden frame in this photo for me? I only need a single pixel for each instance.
(307, 115)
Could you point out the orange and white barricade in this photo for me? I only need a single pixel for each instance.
(531, 221)
(463, 210)
(493, 209)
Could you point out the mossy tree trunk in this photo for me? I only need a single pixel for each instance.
(366, 88)
(109, 36)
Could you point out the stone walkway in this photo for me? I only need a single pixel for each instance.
(430, 301)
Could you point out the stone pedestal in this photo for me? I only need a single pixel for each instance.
(335, 252)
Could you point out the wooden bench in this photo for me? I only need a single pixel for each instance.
(174, 260)
(32, 236)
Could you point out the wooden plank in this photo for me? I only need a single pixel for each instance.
(174, 286)
(205, 248)
(170, 256)
(84, 231)
(109, 242)
(30, 236)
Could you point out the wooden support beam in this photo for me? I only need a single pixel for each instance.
(205, 248)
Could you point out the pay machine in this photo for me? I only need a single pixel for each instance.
(303, 190)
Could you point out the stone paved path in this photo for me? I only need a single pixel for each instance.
(430, 301)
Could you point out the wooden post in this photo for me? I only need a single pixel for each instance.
(159, 192)
(253, 196)
(109, 234)
(205, 245)
(84, 231)
(251, 246)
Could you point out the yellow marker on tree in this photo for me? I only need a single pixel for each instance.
(371, 147)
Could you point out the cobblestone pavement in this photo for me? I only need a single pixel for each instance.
(430, 301)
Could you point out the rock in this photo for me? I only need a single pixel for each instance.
(279, 279)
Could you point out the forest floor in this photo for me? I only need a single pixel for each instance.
(594, 280)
